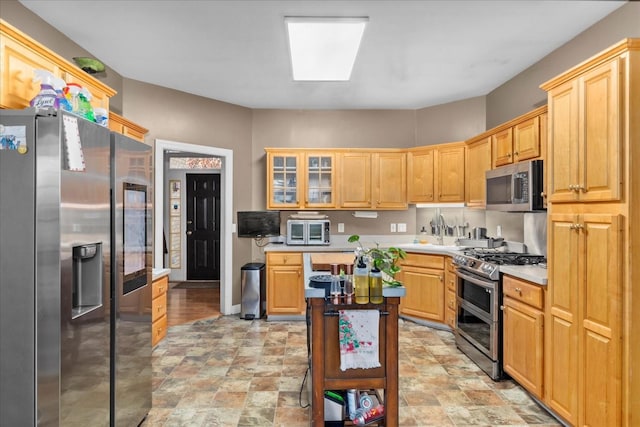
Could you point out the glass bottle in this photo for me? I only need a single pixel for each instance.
(375, 286)
(335, 283)
(348, 283)
(361, 282)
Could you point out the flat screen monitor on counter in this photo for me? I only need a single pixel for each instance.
(257, 224)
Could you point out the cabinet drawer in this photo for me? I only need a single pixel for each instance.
(450, 318)
(522, 291)
(160, 287)
(159, 307)
(450, 300)
(423, 260)
(449, 265)
(285, 258)
(158, 330)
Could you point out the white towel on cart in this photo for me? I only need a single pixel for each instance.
(358, 335)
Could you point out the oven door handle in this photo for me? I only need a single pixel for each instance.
(489, 286)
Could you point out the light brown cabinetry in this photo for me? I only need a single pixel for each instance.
(585, 141)
(320, 182)
(520, 139)
(477, 163)
(517, 143)
(436, 173)
(373, 180)
(285, 283)
(159, 289)
(423, 278)
(450, 304)
(119, 124)
(591, 345)
(336, 179)
(523, 333)
(584, 311)
(389, 189)
(20, 55)
(355, 180)
(284, 179)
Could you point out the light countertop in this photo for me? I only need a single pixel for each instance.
(531, 273)
(159, 272)
(310, 292)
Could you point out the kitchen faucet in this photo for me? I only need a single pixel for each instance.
(441, 225)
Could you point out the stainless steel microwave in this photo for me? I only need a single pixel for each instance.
(516, 188)
(308, 232)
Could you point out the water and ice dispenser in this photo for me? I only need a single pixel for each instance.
(88, 274)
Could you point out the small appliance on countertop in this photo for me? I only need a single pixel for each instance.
(308, 228)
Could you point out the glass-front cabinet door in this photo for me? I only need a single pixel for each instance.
(320, 191)
(284, 180)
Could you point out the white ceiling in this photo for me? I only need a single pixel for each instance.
(414, 53)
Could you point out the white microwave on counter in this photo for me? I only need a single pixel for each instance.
(308, 232)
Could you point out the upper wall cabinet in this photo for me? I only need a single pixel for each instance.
(478, 162)
(320, 188)
(523, 138)
(284, 179)
(20, 55)
(299, 178)
(373, 179)
(119, 124)
(436, 173)
(517, 140)
(584, 127)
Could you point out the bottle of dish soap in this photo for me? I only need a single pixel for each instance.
(46, 98)
(375, 286)
(361, 282)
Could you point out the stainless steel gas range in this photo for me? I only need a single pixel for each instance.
(478, 331)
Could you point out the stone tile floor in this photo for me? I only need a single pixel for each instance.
(232, 372)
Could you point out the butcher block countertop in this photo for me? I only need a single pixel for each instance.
(322, 261)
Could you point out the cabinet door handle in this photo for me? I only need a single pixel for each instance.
(508, 154)
(518, 290)
(516, 153)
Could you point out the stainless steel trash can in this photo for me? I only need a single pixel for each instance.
(253, 283)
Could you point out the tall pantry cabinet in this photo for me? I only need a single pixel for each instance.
(592, 344)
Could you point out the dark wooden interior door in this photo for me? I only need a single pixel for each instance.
(203, 227)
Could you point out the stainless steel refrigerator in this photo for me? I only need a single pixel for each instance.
(132, 242)
(58, 356)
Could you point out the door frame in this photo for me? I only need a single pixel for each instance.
(226, 212)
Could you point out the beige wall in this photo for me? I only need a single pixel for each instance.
(180, 117)
(522, 93)
(455, 121)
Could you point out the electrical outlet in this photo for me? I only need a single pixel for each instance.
(402, 227)
(393, 228)
(341, 227)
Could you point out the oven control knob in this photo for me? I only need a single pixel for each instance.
(487, 268)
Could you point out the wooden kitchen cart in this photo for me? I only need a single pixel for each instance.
(325, 357)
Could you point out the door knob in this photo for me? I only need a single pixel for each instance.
(189, 233)
(189, 222)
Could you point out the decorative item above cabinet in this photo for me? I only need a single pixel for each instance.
(21, 55)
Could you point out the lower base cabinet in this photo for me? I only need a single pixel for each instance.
(523, 333)
(159, 309)
(423, 277)
(285, 283)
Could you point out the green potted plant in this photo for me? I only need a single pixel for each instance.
(386, 260)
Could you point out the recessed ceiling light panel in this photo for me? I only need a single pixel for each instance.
(322, 48)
